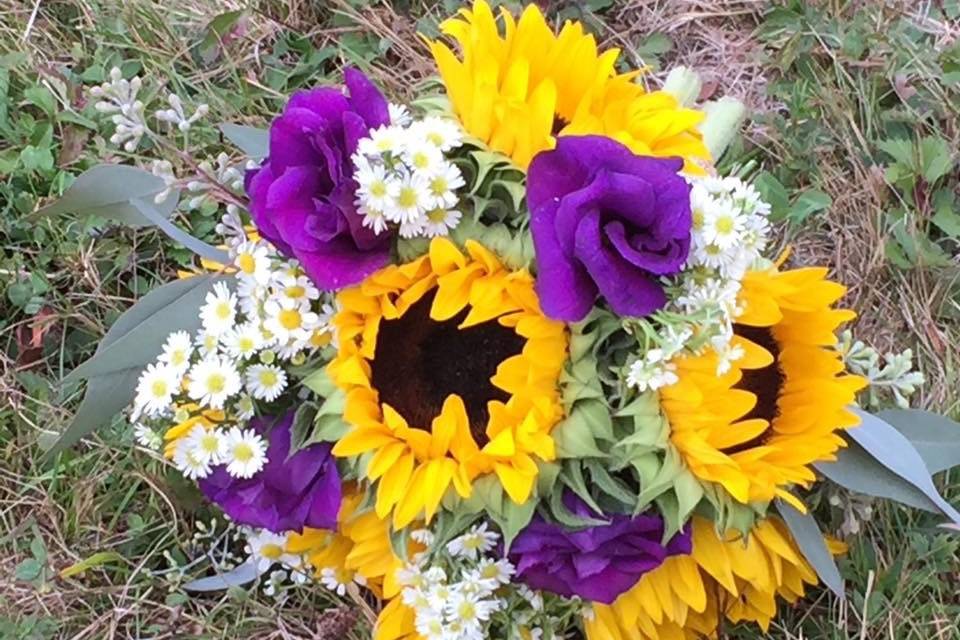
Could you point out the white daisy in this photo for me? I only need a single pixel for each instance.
(374, 185)
(206, 445)
(409, 198)
(253, 261)
(423, 157)
(177, 350)
(443, 185)
(295, 286)
(243, 341)
(441, 132)
(244, 408)
(207, 343)
(651, 372)
(468, 609)
(475, 541)
(384, 139)
(188, 463)
(399, 114)
(267, 548)
(155, 389)
(413, 228)
(439, 222)
(220, 309)
(500, 571)
(337, 580)
(287, 319)
(246, 452)
(722, 226)
(213, 380)
(251, 295)
(265, 381)
(373, 219)
(147, 437)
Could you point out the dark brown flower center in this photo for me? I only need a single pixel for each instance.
(764, 383)
(418, 362)
(558, 125)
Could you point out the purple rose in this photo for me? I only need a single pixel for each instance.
(302, 199)
(597, 563)
(606, 221)
(289, 493)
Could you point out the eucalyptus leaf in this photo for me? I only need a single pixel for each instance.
(108, 191)
(936, 438)
(238, 577)
(301, 431)
(884, 463)
(810, 540)
(722, 123)
(150, 211)
(133, 344)
(254, 142)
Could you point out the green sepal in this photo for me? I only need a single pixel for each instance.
(320, 382)
(728, 514)
(488, 496)
(564, 516)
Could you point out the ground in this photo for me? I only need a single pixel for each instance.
(852, 136)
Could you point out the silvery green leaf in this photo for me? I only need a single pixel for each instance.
(885, 464)
(320, 383)
(810, 540)
(684, 84)
(301, 431)
(722, 123)
(936, 438)
(241, 575)
(252, 141)
(107, 191)
(138, 335)
(515, 518)
(150, 211)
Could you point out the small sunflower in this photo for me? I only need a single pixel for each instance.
(735, 578)
(515, 91)
(756, 429)
(451, 372)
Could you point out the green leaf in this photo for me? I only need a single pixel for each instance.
(301, 431)
(947, 220)
(217, 29)
(107, 191)
(901, 150)
(96, 560)
(880, 461)
(773, 192)
(29, 569)
(936, 438)
(515, 518)
(41, 97)
(809, 202)
(936, 160)
(722, 124)
(320, 383)
(566, 517)
(810, 540)
(150, 211)
(252, 141)
(575, 435)
(244, 574)
(138, 335)
(35, 158)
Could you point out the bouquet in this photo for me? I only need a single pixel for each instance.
(511, 361)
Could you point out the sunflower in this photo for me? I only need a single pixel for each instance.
(360, 546)
(733, 577)
(515, 91)
(450, 371)
(756, 429)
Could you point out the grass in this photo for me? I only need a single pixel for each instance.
(854, 105)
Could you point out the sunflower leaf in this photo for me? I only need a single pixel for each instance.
(566, 517)
(936, 438)
(573, 478)
(809, 539)
(882, 462)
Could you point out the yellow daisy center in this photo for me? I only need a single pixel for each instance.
(223, 310)
(724, 224)
(245, 344)
(247, 263)
(294, 291)
(178, 357)
(439, 186)
(378, 188)
(271, 551)
(242, 452)
(435, 138)
(698, 219)
(216, 383)
(407, 198)
(437, 215)
(210, 443)
(290, 319)
(159, 388)
(268, 378)
(420, 160)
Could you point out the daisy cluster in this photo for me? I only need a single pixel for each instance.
(729, 234)
(405, 181)
(203, 387)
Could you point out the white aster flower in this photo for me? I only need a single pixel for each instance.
(477, 540)
(443, 185)
(265, 381)
(206, 445)
(373, 219)
(220, 309)
(155, 389)
(409, 198)
(337, 580)
(374, 185)
(399, 114)
(246, 452)
(243, 341)
(207, 343)
(423, 536)
(213, 380)
(287, 319)
(423, 157)
(188, 462)
(295, 286)
(651, 372)
(251, 295)
(444, 133)
(500, 571)
(439, 222)
(469, 610)
(413, 228)
(384, 139)
(253, 261)
(177, 350)
(244, 408)
(266, 548)
(722, 226)
(147, 437)
(727, 353)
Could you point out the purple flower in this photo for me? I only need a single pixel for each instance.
(606, 221)
(597, 563)
(289, 493)
(302, 197)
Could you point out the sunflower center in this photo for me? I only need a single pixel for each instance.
(559, 124)
(418, 362)
(765, 383)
